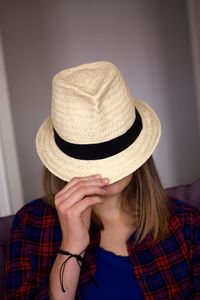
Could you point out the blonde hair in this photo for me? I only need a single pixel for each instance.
(144, 198)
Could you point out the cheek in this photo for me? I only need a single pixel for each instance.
(118, 186)
(111, 190)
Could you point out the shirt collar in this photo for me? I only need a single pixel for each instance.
(90, 254)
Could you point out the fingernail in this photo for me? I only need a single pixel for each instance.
(97, 175)
(106, 180)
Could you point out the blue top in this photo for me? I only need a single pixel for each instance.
(115, 278)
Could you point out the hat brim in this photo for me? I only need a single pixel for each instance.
(115, 167)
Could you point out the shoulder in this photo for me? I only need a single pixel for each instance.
(35, 212)
(183, 210)
(184, 217)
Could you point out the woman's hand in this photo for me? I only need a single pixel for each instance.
(74, 205)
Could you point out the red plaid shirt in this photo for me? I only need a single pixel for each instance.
(165, 269)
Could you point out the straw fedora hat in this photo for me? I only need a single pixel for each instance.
(96, 125)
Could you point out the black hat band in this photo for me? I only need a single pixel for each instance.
(101, 150)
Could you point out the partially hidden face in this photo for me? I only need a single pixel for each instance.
(118, 186)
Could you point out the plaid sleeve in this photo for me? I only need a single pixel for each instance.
(195, 254)
(21, 283)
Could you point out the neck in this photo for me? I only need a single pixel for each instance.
(111, 213)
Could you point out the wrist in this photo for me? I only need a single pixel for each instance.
(72, 250)
(75, 249)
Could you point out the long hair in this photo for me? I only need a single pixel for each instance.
(144, 198)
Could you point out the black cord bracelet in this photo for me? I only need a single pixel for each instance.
(79, 259)
(62, 268)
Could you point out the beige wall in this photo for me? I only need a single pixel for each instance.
(148, 40)
(194, 22)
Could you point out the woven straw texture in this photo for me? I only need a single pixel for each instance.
(92, 104)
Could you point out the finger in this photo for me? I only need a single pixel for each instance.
(74, 180)
(80, 185)
(78, 195)
(95, 181)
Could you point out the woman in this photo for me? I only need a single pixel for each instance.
(105, 228)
